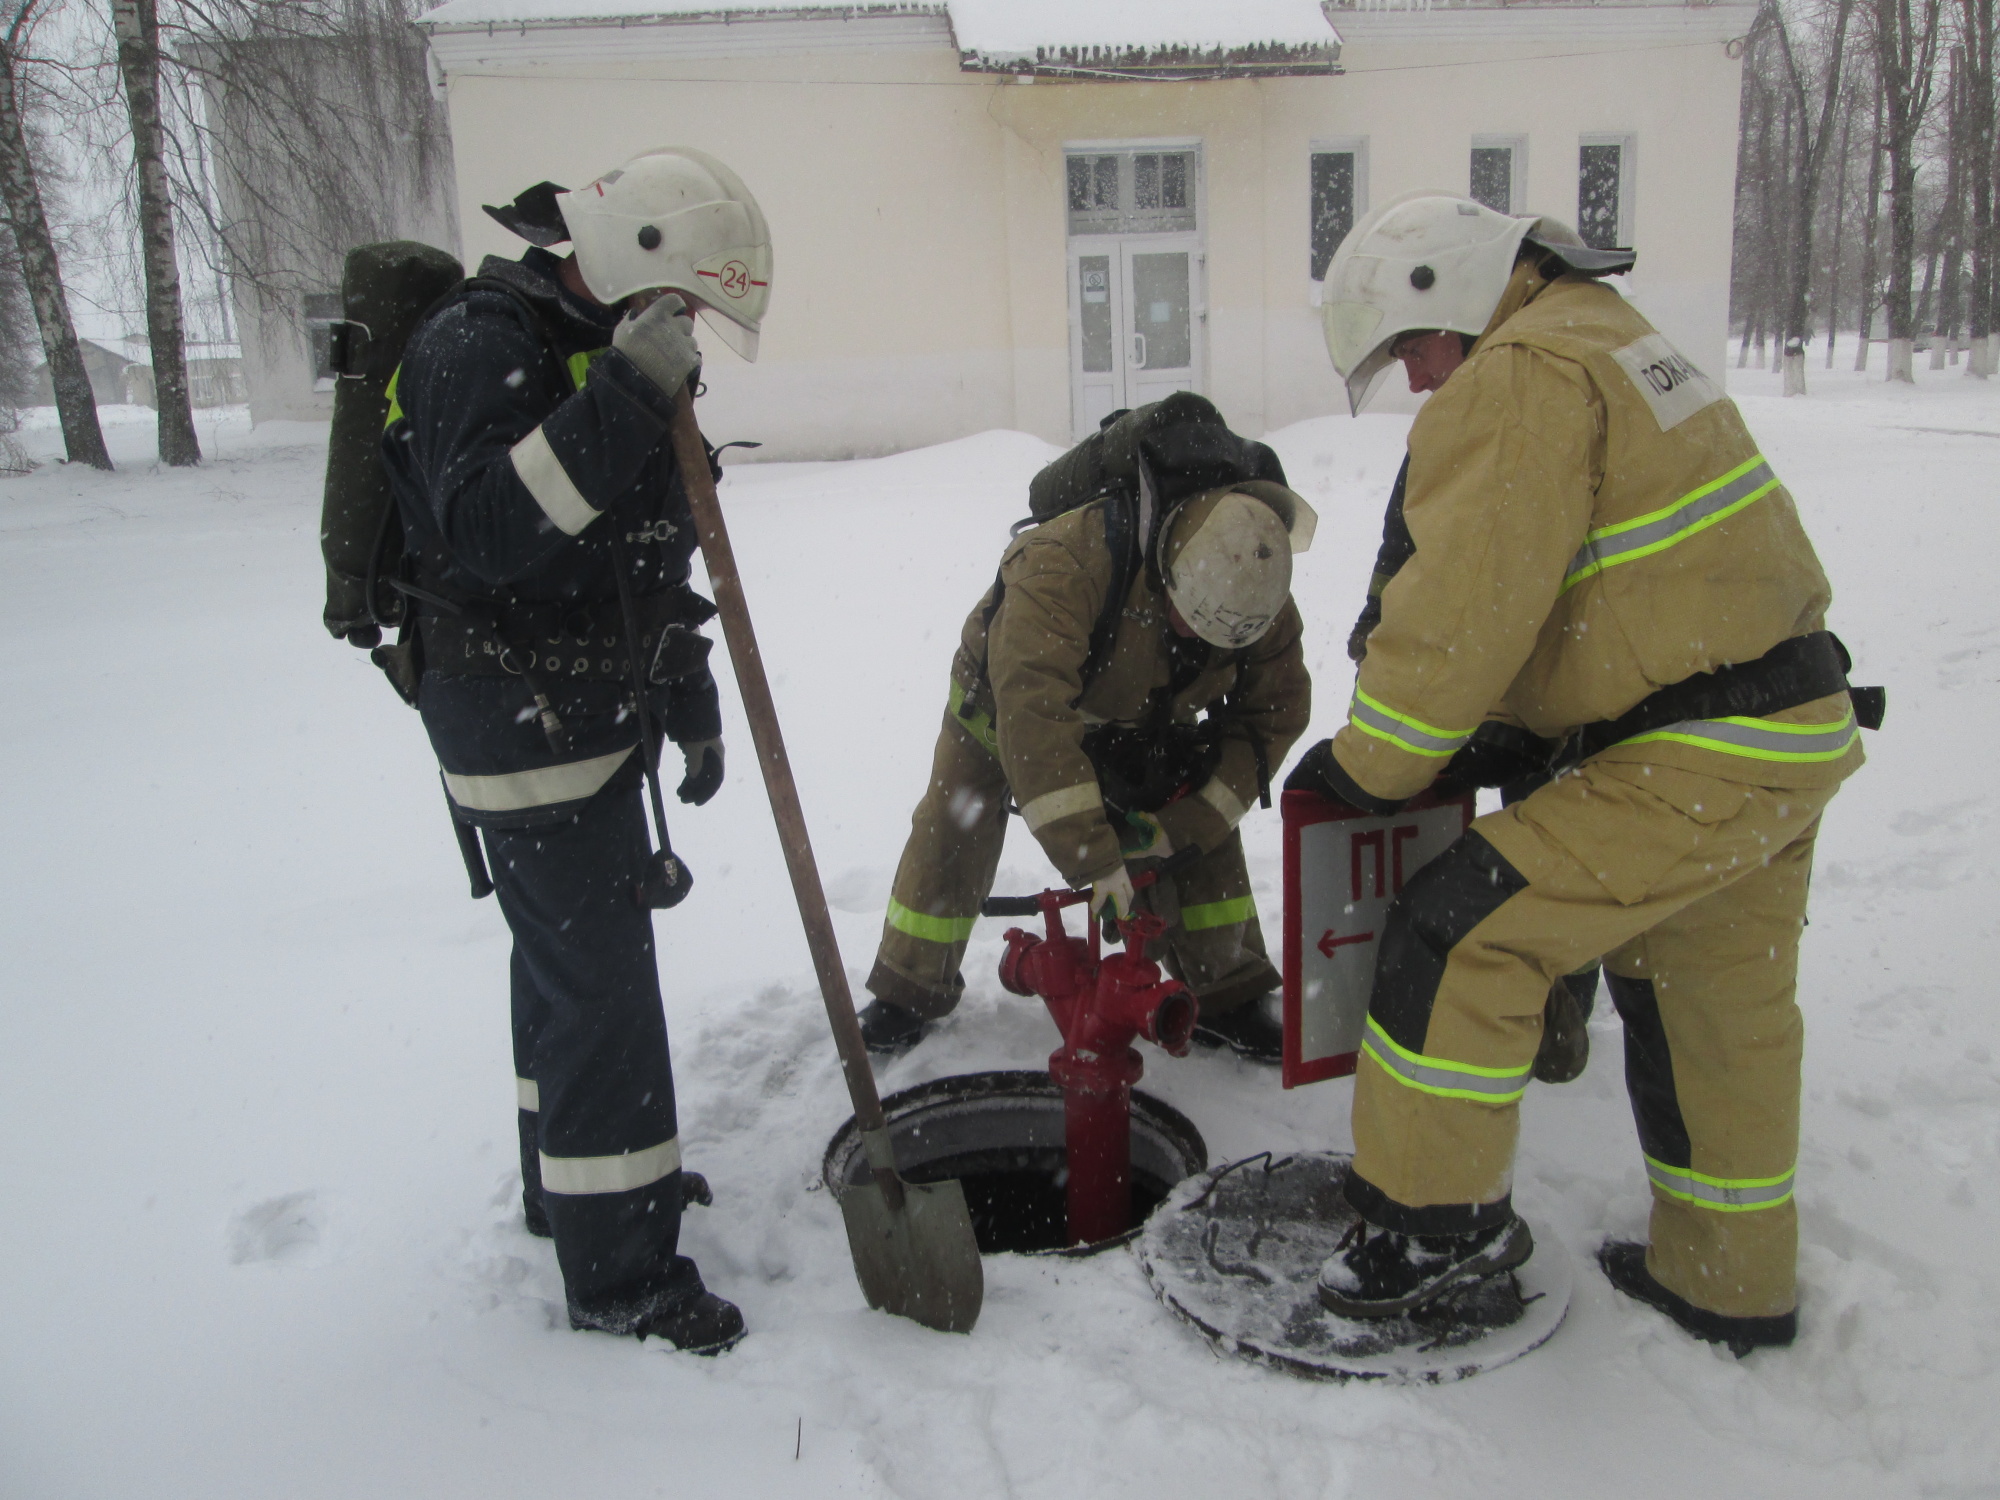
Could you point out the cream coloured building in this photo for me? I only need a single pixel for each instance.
(1026, 213)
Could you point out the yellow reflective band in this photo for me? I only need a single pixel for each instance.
(927, 928)
(579, 366)
(1437, 1075)
(1728, 1195)
(395, 406)
(1371, 716)
(1759, 739)
(1218, 914)
(1671, 525)
(978, 725)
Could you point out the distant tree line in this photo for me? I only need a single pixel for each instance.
(1865, 185)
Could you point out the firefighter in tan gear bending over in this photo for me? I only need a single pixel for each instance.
(1107, 763)
(1603, 558)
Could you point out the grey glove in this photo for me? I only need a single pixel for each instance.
(660, 341)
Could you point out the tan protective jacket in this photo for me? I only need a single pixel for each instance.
(1025, 677)
(1592, 522)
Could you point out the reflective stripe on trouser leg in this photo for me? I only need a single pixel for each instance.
(947, 867)
(1608, 853)
(1452, 1031)
(589, 1031)
(1713, 1046)
(1216, 945)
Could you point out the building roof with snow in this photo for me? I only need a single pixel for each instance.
(1094, 38)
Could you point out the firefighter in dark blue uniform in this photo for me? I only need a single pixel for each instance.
(528, 448)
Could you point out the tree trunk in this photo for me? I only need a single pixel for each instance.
(137, 24)
(1977, 29)
(1906, 47)
(1870, 237)
(1839, 220)
(76, 406)
(1804, 166)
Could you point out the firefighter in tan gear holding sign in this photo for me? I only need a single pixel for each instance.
(1069, 729)
(1601, 556)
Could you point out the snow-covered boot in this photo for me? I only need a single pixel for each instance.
(695, 1323)
(1256, 1031)
(1378, 1273)
(889, 1030)
(1624, 1263)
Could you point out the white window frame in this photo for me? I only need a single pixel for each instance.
(1357, 147)
(1517, 182)
(1628, 173)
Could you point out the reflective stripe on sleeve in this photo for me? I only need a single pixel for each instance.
(1759, 739)
(1223, 800)
(527, 1095)
(516, 791)
(1046, 808)
(1729, 1195)
(583, 1175)
(1218, 914)
(930, 929)
(1694, 512)
(1371, 716)
(544, 477)
(1436, 1075)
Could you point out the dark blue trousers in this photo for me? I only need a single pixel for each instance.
(600, 1148)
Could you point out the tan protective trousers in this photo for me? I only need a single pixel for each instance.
(1214, 944)
(1693, 891)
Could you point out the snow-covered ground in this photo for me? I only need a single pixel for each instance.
(262, 1235)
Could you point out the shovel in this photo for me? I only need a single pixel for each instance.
(914, 1253)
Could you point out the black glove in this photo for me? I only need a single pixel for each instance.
(1318, 772)
(1496, 754)
(704, 772)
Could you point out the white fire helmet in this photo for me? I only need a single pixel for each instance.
(1427, 260)
(676, 219)
(1226, 559)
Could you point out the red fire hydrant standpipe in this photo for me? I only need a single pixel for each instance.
(1099, 1004)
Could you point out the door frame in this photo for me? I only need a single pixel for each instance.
(1195, 241)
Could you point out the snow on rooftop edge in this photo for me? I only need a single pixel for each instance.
(1005, 28)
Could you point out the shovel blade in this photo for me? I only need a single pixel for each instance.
(919, 1262)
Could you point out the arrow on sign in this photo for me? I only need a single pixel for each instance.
(1328, 942)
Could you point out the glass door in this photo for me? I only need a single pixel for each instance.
(1161, 305)
(1136, 298)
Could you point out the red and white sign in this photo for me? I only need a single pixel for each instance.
(1342, 869)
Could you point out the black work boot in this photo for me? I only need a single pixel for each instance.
(889, 1030)
(1565, 1048)
(697, 1322)
(1624, 1263)
(1378, 1273)
(1256, 1030)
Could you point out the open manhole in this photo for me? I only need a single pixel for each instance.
(1001, 1135)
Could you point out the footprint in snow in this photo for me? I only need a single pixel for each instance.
(283, 1230)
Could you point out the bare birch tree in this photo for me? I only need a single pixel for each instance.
(41, 268)
(136, 23)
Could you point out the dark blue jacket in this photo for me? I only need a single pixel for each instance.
(512, 468)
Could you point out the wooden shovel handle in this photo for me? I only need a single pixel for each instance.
(769, 740)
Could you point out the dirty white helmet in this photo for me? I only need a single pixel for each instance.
(1427, 260)
(676, 219)
(1226, 559)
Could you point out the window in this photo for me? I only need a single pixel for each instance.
(1499, 177)
(1604, 191)
(1131, 192)
(320, 309)
(1339, 197)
